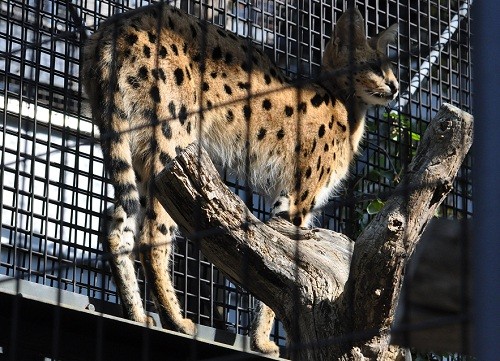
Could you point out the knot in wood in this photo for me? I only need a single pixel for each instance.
(395, 224)
(445, 125)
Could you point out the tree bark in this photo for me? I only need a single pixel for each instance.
(336, 298)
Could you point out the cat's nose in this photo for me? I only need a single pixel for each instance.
(394, 86)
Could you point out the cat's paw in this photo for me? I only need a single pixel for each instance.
(187, 326)
(150, 321)
(281, 207)
(265, 346)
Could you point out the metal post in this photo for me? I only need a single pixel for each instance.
(486, 245)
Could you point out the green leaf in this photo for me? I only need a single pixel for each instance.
(415, 136)
(374, 206)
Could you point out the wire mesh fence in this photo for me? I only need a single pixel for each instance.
(56, 199)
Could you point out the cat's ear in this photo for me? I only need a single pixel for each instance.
(350, 30)
(384, 38)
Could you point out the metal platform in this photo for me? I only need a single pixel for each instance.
(39, 322)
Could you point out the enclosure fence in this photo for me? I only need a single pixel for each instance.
(55, 197)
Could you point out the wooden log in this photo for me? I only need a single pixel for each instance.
(307, 276)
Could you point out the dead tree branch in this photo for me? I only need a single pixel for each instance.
(306, 276)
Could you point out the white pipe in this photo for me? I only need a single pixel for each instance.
(433, 57)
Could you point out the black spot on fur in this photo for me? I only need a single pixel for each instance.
(326, 148)
(130, 206)
(280, 134)
(174, 49)
(179, 76)
(153, 146)
(217, 53)
(244, 85)
(124, 189)
(261, 134)
(152, 116)
(313, 203)
(302, 107)
(342, 126)
(229, 116)
(288, 111)
(318, 163)
(133, 81)
(267, 79)
(118, 166)
(171, 109)
(184, 48)
(205, 87)
(326, 98)
(188, 128)
(155, 94)
(304, 195)
(131, 38)
(183, 114)
(321, 131)
(247, 112)
(228, 89)
(143, 72)
(163, 229)
(308, 172)
(151, 214)
(188, 74)
(316, 100)
(151, 37)
(266, 104)
(147, 51)
(298, 180)
(159, 74)
(209, 105)
(166, 129)
(163, 52)
(213, 74)
(314, 145)
(330, 123)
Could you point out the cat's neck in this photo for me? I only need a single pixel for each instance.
(356, 108)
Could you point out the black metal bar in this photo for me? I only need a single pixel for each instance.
(487, 171)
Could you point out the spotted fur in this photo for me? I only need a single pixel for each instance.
(158, 80)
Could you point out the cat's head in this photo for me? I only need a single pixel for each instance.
(360, 65)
